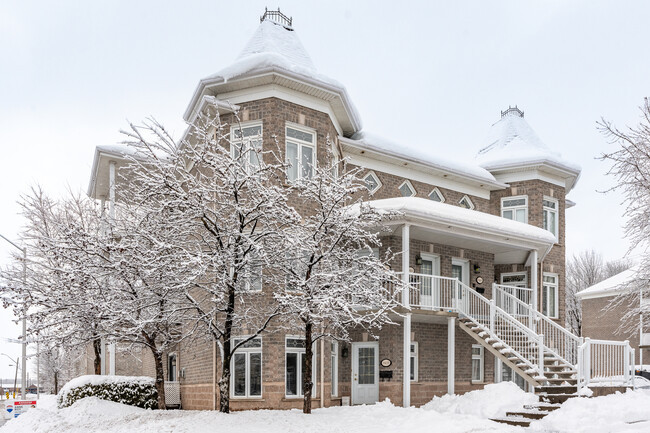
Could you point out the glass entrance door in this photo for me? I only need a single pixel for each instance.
(365, 373)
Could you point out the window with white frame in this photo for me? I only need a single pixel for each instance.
(295, 366)
(300, 152)
(516, 279)
(478, 360)
(466, 202)
(246, 369)
(171, 367)
(414, 361)
(549, 215)
(372, 182)
(550, 295)
(246, 142)
(436, 195)
(252, 275)
(515, 208)
(334, 353)
(406, 189)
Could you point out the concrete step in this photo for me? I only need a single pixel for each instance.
(555, 398)
(547, 407)
(532, 414)
(561, 381)
(556, 389)
(518, 421)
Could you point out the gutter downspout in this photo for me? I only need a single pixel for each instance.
(214, 375)
(322, 372)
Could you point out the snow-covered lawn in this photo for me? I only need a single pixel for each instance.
(468, 413)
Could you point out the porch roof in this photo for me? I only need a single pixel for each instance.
(509, 241)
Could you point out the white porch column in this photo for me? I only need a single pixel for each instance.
(111, 367)
(406, 362)
(451, 358)
(533, 278)
(111, 190)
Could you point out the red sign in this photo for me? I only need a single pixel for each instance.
(25, 402)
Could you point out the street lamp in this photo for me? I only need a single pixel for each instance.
(15, 361)
(23, 377)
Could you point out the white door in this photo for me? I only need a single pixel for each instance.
(365, 373)
(429, 288)
(460, 270)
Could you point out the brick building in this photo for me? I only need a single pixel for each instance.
(483, 246)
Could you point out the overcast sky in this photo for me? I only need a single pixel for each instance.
(432, 75)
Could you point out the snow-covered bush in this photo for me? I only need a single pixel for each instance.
(134, 391)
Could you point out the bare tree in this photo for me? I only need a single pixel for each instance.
(334, 282)
(226, 195)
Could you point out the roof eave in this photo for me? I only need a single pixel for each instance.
(566, 172)
(491, 185)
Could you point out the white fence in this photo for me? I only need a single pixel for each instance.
(605, 362)
(172, 393)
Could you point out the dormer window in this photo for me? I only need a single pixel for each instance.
(436, 195)
(515, 208)
(466, 202)
(372, 182)
(406, 189)
(300, 152)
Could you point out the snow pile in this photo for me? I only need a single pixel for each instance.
(428, 156)
(492, 401)
(132, 390)
(273, 45)
(511, 141)
(612, 413)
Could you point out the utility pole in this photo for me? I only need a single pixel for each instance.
(23, 376)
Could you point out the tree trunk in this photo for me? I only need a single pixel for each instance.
(307, 384)
(160, 378)
(97, 346)
(56, 383)
(224, 380)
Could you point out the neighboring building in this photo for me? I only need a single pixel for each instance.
(604, 306)
(472, 231)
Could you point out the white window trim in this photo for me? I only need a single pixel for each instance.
(481, 358)
(374, 175)
(410, 186)
(512, 274)
(235, 141)
(247, 278)
(557, 292)
(557, 215)
(415, 355)
(247, 351)
(300, 144)
(469, 200)
(437, 191)
(334, 357)
(300, 372)
(515, 208)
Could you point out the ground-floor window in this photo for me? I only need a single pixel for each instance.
(414, 361)
(507, 375)
(477, 363)
(246, 369)
(295, 366)
(335, 368)
(550, 295)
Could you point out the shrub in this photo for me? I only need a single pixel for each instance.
(134, 391)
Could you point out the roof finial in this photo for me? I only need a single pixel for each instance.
(512, 111)
(277, 17)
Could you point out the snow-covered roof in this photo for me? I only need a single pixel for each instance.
(276, 49)
(512, 143)
(424, 156)
(612, 286)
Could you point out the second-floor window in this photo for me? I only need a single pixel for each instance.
(246, 142)
(515, 208)
(549, 215)
(300, 152)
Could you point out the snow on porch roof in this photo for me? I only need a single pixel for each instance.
(478, 230)
(512, 142)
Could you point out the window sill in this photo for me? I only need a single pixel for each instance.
(247, 399)
(300, 398)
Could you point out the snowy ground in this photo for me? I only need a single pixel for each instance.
(468, 413)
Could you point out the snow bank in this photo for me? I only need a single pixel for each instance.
(492, 401)
(135, 391)
(612, 413)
